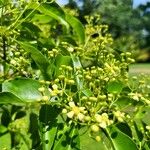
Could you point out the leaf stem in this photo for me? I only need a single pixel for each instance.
(109, 137)
(4, 54)
(15, 25)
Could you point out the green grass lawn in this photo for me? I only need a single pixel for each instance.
(136, 69)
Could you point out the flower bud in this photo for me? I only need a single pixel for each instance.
(98, 138)
(94, 128)
(94, 99)
(64, 111)
(41, 89)
(45, 98)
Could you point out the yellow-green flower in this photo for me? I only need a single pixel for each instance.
(76, 112)
(55, 91)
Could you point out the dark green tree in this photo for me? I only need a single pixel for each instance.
(129, 26)
(145, 17)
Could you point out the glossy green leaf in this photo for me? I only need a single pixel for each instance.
(30, 28)
(3, 129)
(9, 98)
(41, 61)
(48, 114)
(5, 138)
(147, 146)
(77, 27)
(6, 116)
(40, 18)
(137, 127)
(123, 102)
(115, 87)
(125, 128)
(69, 140)
(34, 129)
(61, 60)
(143, 114)
(49, 136)
(54, 11)
(87, 92)
(88, 143)
(48, 118)
(24, 89)
(119, 140)
(77, 64)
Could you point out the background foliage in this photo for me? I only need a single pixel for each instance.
(129, 26)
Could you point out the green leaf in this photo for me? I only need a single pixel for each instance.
(40, 18)
(88, 143)
(54, 11)
(119, 140)
(115, 87)
(139, 134)
(48, 114)
(6, 116)
(77, 64)
(5, 138)
(30, 28)
(125, 128)
(69, 140)
(147, 145)
(77, 27)
(3, 129)
(41, 61)
(7, 97)
(25, 89)
(143, 114)
(87, 92)
(61, 60)
(49, 137)
(48, 119)
(34, 129)
(124, 102)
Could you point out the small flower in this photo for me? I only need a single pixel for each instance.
(56, 80)
(55, 87)
(77, 112)
(98, 138)
(70, 49)
(103, 120)
(55, 90)
(64, 111)
(101, 97)
(95, 128)
(70, 82)
(147, 101)
(87, 118)
(80, 116)
(120, 115)
(128, 53)
(13, 62)
(45, 98)
(88, 77)
(148, 128)
(72, 104)
(70, 114)
(61, 77)
(69, 68)
(103, 124)
(84, 98)
(136, 96)
(94, 99)
(41, 89)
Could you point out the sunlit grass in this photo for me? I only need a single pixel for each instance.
(136, 69)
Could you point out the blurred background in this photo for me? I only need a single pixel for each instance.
(128, 20)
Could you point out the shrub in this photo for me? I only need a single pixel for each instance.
(63, 86)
